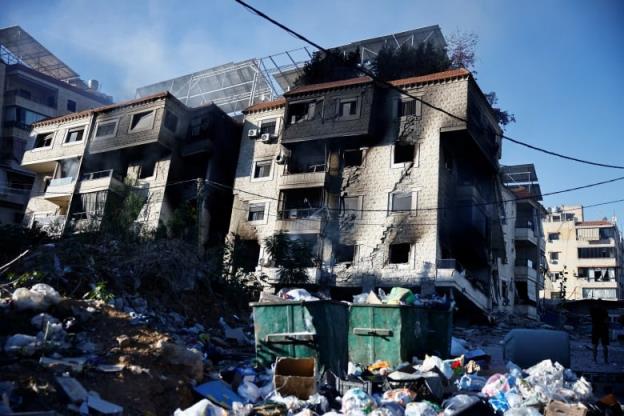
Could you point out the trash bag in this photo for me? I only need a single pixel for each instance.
(499, 402)
(471, 382)
(357, 401)
(431, 362)
(421, 409)
(497, 383)
(457, 404)
(38, 297)
(22, 344)
(523, 411)
(249, 391)
(400, 396)
(388, 409)
(202, 408)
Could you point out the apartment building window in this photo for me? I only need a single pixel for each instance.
(75, 135)
(556, 218)
(262, 169)
(596, 252)
(352, 158)
(301, 111)
(352, 206)
(554, 257)
(348, 109)
(268, 126)
(399, 253)
(256, 212)
(345, 253)
(142, 121)
(106, 129)
(146, 169)
(599, 293)
(43, 140)
(171, 121)
(553, 237)
(403, 153)
(569, 216)
(403, 201)
(71, 105)
(410, 108)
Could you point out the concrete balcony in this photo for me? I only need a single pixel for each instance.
(196, 146)
(16, 197)
(105, 180)
(303, 180)
(307, 221)
(606, 242)
(598, 262)
(524, 272)
(19, 98)
(60, 189)
(526, 234)
(43, 159)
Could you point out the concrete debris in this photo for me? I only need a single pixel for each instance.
(72, 388)
(102, 406)
(190, 359)
(39, 297)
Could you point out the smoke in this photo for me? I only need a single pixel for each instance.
(69, 167)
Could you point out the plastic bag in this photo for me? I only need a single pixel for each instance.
(459, 403)
(239, 409)
(431, 362)
(497, 383)
(400, 396)
(21, 343)
(388, 409)
(202, 408)
(582, 389)
(421, 409)
(523, 411)
(499, 403)
(471, 382)
(249, 391)
(38, 297)
(357, 400)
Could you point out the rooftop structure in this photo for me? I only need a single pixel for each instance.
(238, 85)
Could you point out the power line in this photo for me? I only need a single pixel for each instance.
(404, 92)
(437, 208)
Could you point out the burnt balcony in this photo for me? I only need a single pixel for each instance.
(301, 220)
(524, 232)
(103, 180)
(304, 179)
(525, 269)
(330, 110)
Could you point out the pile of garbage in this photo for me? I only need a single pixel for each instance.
(429, 387)
(402, 296)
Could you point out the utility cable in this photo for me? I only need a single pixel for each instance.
(390, 85)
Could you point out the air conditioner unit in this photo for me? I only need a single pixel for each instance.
(281, 158)
(253, 133)
(265, 137)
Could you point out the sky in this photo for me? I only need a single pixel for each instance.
(555, 64)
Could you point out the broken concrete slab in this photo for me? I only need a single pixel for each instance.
(102, 406)
(72, 388)
(71, 363)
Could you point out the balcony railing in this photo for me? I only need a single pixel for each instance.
(298, 213)
(306, 220)
(109, 173)
(100, 181)
(29, 97)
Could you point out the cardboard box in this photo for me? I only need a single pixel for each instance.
(295, 377)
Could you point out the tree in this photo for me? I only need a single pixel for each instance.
(292, 257)
(503, 117)
(335, 66)
(407, 61)
(461, 50)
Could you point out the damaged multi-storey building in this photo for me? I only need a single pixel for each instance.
(155, 148)
(34, 85)
(385, 191)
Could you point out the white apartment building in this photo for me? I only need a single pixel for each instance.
(584, 257)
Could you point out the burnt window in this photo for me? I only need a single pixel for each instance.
(410, 108)
(43, 140)
(403, 153)
(142, 121)
(246, 255)
(401, 202)
(299, 112)
(399, 253)
(345, 253)
(553, 236)
(74, 135)
(71, 105)
(268, 126)
(352, 158)
(171, 121)
(147, 170)
(256, 212)
(262, 169)
(106, 129)
(352, 206)
(347, 108)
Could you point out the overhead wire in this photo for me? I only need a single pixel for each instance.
(389, 84)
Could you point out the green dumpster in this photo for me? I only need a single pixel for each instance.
(439, 331)
(396, 333)
(315, 329)
(393, 333)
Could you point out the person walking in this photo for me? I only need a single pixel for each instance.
(600, 329)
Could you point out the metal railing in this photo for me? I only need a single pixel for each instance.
(109, 173)
(29, 97)
(296, 213)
